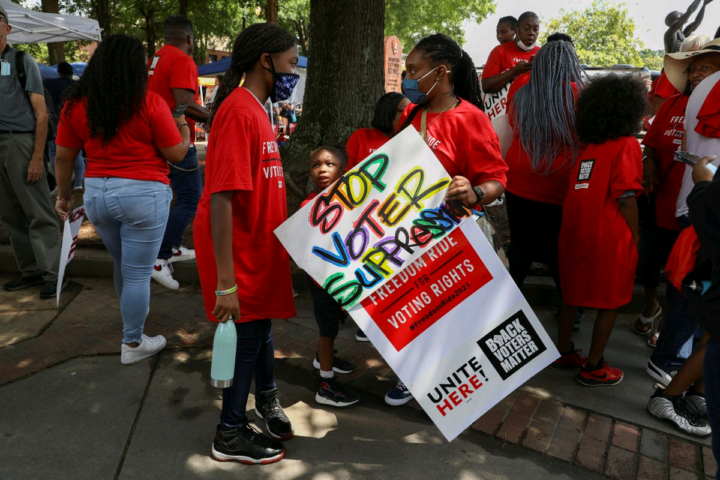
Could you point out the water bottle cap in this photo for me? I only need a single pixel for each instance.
(221, 383)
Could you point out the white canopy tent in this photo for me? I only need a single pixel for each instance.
(29, 26)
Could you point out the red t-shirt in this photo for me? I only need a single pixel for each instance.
(665, 137)
(663, 88)
(709, 115)
(504, 57)
(523, 181)
(464, 141)
(172, 68)
(597, 253)
(520, 81)
(243, 157)
(308, 199)
(134, 151)
(362, 143)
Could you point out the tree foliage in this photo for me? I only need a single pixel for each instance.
(652, 59)
(604, 34)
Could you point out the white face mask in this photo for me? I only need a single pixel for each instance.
(524, 47)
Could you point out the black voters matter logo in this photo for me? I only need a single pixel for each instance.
(512, 345)
(586, 168)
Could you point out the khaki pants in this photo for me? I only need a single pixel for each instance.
(26, 210)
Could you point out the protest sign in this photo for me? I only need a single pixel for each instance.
(69, 242)
(375, 220)
(456, 330)
(496, 103)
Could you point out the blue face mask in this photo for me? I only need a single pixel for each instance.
(411, 89)
(284, 85)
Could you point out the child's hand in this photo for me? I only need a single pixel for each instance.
(701, 172)
(227, 306)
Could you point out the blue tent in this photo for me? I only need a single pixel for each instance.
(51, 72)
(218, 68)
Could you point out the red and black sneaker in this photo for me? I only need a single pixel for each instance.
(598, 376)
(569, 360)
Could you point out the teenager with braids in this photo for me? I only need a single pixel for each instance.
(442, 84)
(364, 141)
(244, 270)
(129, 135)
(544, 146)
(600, 235)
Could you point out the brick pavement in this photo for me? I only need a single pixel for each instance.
(90, 325)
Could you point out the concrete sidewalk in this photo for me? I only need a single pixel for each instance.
(68, 409)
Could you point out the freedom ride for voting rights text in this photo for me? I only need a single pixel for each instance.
(377, 219)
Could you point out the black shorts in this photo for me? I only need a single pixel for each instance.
(327, 310)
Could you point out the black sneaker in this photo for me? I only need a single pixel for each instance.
(675, 409)
(50, 289)
(339, 365)
(22, 283)
(246, 445)
(330, 393)
(360, 336)
(267, 407)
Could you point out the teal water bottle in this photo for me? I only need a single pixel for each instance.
(223, 356)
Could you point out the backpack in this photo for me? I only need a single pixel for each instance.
(22, 78)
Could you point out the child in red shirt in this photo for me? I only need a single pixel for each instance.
(600, 235)
(327, 164)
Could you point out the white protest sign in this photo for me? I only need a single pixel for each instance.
(375, 220)
(456, 330)
(69, 242)
(496, 103)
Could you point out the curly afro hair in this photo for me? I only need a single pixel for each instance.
(610, 107)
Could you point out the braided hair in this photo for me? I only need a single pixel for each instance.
(114, 84)
(441, 48)
(544, 109)
(248, 48)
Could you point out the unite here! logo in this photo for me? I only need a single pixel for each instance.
(512, 345)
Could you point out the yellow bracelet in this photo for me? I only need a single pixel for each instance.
(221, 293)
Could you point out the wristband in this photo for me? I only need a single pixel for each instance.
(64, 199)
(222, 293)
(183, 125)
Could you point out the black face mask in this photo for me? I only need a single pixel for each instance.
(283, 85)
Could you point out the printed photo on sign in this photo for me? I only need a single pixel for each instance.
(374, 221)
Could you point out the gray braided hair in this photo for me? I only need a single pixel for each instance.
(544, 109)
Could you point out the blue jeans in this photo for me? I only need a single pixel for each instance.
(186, 182)
(130, 217)
(679, 334)
(255, 354)
(78, 167)
(711, 373)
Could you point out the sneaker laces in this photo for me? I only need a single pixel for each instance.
(682, 409)
(273, 408)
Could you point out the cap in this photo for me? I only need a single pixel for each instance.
(677, 64)
(3, 14)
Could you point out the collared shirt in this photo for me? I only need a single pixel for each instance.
(17, 114)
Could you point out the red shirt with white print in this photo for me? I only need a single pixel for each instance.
(243, 158)
(362, 143)
(597, 253)
(464, 141)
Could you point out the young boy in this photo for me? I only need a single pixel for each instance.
(505, 29)
(327, 164)
(599, 236)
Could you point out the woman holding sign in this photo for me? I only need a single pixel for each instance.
(129, 136)
(442, 84)
(244, 270)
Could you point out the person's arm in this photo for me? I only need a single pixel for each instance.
(496, 83)
(669, 36)
(649, 170)
(35, 168)
(461, 189)
(176, 153)
(194, 111)
(690, 29)
(221, 229)
(64, 163)
(629, 211)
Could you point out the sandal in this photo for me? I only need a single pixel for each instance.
(652, 341)
(642, 322)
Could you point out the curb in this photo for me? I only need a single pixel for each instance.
(539, 291)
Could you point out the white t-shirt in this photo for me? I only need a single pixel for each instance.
(694, 142)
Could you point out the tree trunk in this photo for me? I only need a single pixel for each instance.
(302, 35)
(150, 32)
(101, 9)
(56, 50)
(345, 79)
(183, 10)
(271, 11)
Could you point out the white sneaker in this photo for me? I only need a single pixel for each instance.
(162, 273)
(181, 254)
(147, 348)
